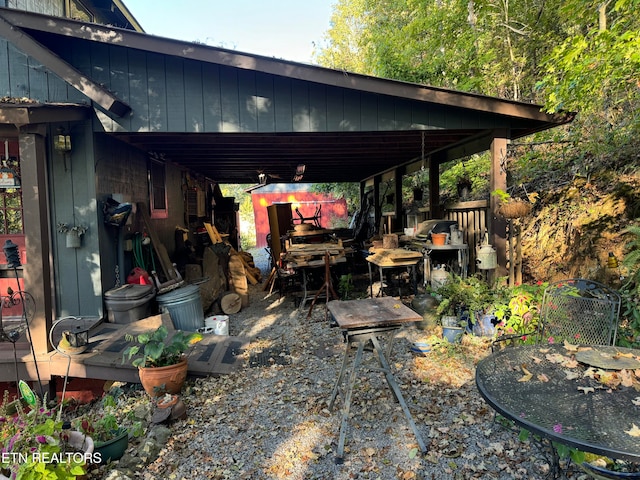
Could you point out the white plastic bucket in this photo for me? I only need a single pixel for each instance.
(216, 324)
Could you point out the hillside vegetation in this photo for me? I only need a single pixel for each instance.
(578, 56)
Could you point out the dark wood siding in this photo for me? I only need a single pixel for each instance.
(168, 93)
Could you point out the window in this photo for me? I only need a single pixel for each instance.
(11, 211)
(157, 189)
(10, 192)
(78, 11)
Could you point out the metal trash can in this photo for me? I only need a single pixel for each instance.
(184, 307)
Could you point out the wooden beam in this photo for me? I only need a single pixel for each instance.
(28, 45)
(35, 113)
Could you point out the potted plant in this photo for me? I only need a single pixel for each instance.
(73, 233)
(453, 297)
(463, 302)
(36, 443)
(110, 435)
(162, 365)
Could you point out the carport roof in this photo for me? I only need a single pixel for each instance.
(380, 125)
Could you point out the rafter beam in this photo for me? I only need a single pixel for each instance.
(28, 45)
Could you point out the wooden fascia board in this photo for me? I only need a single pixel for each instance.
(18, 115)
(64, 70)
(299, 71)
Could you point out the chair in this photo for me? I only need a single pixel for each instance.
(579, 311)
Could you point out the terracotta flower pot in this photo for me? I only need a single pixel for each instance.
(157, 381)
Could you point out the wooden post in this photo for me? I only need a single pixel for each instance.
(498, 180)
(38, 277)
(511, 259)
(518, 256)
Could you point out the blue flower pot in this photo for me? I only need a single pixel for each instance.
(453, 334)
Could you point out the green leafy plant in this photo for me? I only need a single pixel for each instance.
(157, 348)
(630, 292)
(345, 286)
(564, 451)
(517, 309)
(459, 294)
(101, 427)
(501, 194)
(35, 445)
(77, 229)
(105, 421)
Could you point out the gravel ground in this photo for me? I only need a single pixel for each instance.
(272, 421)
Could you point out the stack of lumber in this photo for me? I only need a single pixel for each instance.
(390, 257)
(312, 254)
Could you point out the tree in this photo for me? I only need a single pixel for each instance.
(486, 46)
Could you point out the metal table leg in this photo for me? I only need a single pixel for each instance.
(347, 401)
(303, 301)
(362, 338)
(396, 390)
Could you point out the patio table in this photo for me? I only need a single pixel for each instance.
(363, 323)
(559, 394)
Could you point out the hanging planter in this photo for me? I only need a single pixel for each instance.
(73, 234)
(514, 207)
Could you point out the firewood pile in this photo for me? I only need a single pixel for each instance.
(242, 269)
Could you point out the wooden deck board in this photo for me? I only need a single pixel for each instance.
(214, 355)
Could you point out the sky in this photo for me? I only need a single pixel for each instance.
(284, 29)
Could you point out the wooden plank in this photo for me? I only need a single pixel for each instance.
(317, 110)
(157, 97)
(300, 105)
(394, 256)
(194, 106)
(214, 236)
(369, 112)
(218, 355)
(19, 73)
(214, 355)
(167, 268)
(352, 113)
(211, 97)
(248, 110)
(264, 91)
(177, 120)
(138, 90)
(5, 87)
(282, 104)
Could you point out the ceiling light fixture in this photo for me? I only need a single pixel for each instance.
(300, 169)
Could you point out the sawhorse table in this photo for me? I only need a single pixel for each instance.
(393, 259)
(362, 322)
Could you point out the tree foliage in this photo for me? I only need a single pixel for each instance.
(490, 47)
(573, 55)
